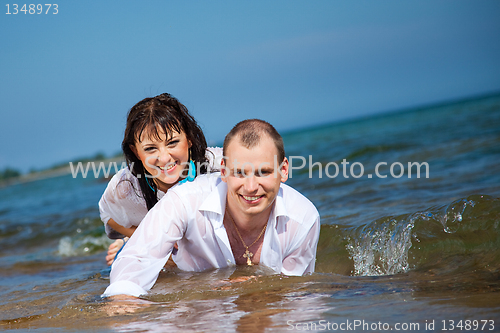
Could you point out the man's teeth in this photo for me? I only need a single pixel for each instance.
(250, 198)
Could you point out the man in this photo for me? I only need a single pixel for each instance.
(245, 216)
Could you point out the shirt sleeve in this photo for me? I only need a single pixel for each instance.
(302, 258)
(214, 157)
(136, 268)
(122, 202)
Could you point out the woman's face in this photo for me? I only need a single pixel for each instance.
(164, 159)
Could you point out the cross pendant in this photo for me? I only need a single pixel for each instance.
(248, 255)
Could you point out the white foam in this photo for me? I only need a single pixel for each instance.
(77, 246)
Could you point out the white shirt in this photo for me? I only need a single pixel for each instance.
(192, 215)
(123, 202)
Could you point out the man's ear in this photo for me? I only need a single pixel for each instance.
(284, 170)
(223, 170)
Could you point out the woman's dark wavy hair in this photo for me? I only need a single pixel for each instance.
(155, 115)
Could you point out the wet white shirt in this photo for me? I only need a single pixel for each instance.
(192, 215)
(123, 202)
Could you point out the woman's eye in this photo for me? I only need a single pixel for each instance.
(149, 149)
(173, 143)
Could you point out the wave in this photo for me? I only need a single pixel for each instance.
(463, 236)
(77, 246)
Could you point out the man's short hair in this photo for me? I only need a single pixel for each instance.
(250, 132)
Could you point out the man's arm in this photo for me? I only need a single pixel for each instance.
(136, 269)
(302, 260)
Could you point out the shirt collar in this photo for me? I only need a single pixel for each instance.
(216, 202)
(279, 204)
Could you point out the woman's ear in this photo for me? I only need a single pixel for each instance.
(134, 150)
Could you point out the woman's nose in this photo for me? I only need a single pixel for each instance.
(163, 157)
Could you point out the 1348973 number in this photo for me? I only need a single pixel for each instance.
(468, 325)
(48, 8)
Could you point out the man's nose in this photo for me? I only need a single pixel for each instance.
(251, 183)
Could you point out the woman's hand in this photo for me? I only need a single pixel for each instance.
(113, 250)
(117, 244)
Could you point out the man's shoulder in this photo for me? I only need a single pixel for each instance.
(298, 206)
(202, 184)
(190, 195)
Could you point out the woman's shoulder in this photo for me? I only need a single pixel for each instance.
(214, 157)
(215, 150)
(123, 175)
(124, 184)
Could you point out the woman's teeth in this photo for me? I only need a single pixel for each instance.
(168, 167)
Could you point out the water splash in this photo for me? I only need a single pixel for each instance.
(454, 214)
(466, 231)
(76, 246)
(382, 247)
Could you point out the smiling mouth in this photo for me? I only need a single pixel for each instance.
(168, 167)
(251, 199)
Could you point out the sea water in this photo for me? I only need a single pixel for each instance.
(397, 250)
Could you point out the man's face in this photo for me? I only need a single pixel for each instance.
(253, 176)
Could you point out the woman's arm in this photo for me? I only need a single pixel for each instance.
(121, 206)
(121, 229)
(118, 244)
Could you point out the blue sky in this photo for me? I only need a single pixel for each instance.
(68, 80)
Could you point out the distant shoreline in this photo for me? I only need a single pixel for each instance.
(51, 173)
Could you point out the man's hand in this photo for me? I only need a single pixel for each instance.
(123, 304)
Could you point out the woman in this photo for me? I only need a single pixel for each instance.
(163, 145)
